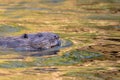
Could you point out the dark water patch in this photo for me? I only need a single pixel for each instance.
(43, 54)
(94, 75)
(108, 27)
(18, 16)
(46, 69)
(114, 52)
(97, 1)
(111, 51)
(13, 64)
(114, 39)
(79, 55)
(73, 57)
(52, 1)
(26, 8)
(117, 27)
(70, 58)
(40, 70)
(104, 17)
(50, 10)
(61, 12)
(3, 4)
(10, 11)
(23, 2)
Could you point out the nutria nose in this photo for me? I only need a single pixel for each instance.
(58, 43)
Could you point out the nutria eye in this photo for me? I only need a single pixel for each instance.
(40, 35)
(56, 37)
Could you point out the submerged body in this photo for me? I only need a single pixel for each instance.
(31, 42)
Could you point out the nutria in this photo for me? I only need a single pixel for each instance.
(38, 41)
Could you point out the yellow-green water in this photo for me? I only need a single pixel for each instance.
(85, 23)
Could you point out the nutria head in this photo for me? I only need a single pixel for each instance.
(44, 40)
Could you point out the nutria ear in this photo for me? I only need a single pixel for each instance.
(25, 36)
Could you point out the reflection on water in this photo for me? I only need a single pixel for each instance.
(14, 60)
